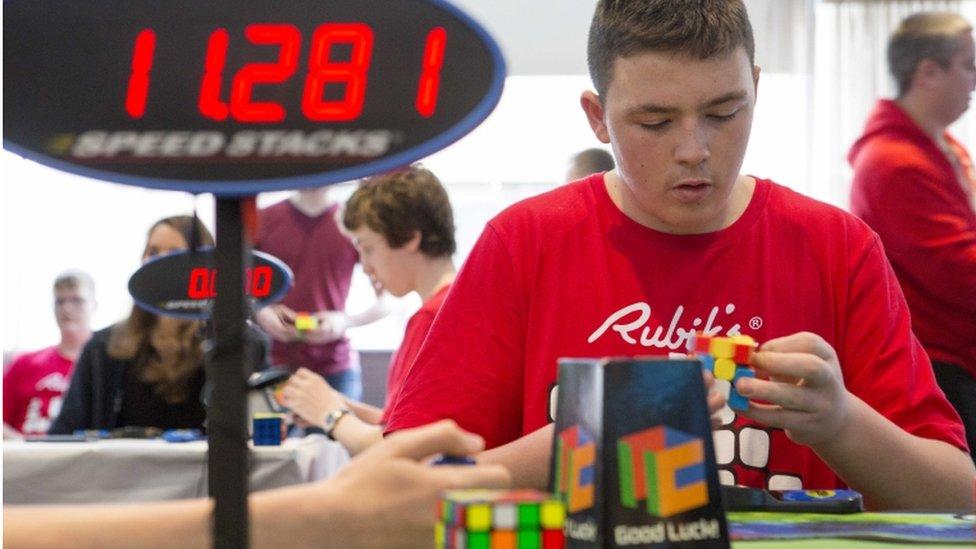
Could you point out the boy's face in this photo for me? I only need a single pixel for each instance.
(73, 308)
(163, 239)
(959, 79)
(679, 128)
(383, 264)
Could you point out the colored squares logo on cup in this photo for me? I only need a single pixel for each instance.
(576, 468)
(665, 467)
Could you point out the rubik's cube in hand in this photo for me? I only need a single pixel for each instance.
(728, 358)
(500, 519)
(305, 322)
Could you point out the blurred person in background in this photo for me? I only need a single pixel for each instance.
(147, 370)
(403, 227)
(35, 382)
(588, 162)
(913, 184)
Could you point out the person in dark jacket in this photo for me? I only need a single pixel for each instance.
(147, 370)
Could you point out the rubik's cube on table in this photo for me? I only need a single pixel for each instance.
(267, 429)
(728, 358)
(500, 519)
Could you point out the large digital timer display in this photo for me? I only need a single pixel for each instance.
(238, 97)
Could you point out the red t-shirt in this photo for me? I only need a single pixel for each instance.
(413, 337)
(567, 274)
(907, 191)
(322, 259)
(32, 390)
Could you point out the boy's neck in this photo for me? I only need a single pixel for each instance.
(923, 113)
(434, 275)
(312, 202)
(736, 205)
(72, 342)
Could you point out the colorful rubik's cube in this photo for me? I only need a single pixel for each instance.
(305, 322)
(500, 519)
(267, 429)
(728, 358)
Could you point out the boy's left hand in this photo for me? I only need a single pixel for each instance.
(310, 397)
(804, 395)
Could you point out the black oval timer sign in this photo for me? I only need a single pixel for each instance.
(183, 284)
(235, 98)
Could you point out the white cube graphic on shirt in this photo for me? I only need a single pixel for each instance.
(754, 447)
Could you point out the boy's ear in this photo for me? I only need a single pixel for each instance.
(413, 244)
(593, 108)
(755, 80)
(927, 71)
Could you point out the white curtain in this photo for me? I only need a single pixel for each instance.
(849, 74)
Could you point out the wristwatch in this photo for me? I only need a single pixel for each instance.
(332, 420)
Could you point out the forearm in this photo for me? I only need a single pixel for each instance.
(297, 517)
(366, 412)
(108, 527)
(356, 435)
(380, 308)
(896, 470)
(527, 458)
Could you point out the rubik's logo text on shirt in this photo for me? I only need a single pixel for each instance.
(576, 468)
(665, 467)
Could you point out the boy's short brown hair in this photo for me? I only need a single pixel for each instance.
(926, 35)
(400, 203)
(74, 279)
(696, 28)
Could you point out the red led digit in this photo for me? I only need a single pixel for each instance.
(261, 281)
(352, 73)
(199, 282)
(142, 59)
(241, 107)
(210, 104)
(430, 76)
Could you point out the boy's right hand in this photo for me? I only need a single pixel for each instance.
(804, 393)
(278, 321)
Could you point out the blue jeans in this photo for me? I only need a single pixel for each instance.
(348, 382)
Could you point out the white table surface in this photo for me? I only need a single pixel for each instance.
(119, 470)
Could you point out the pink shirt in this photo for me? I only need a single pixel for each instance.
(322, 259)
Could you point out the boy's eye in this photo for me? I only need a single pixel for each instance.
(655, 126)
(723, 117)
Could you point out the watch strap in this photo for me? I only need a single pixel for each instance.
(332, 419)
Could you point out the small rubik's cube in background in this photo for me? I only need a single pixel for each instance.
(268, 429)
(728, 358)
(305, 322)
(500, 519)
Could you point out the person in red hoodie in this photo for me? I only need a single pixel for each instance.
(914, 183)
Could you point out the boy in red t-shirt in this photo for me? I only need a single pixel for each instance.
(403, 228)
(675, 240)
(35, 382)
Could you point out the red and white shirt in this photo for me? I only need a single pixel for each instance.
(566, 274)
(32, 390)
